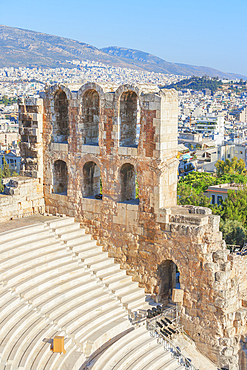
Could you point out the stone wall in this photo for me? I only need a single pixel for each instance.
(23, 197)
(142, 234)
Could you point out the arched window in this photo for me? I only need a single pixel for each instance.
(61, 124)
(60, 178)
(91, 180)
(129, 119)
(168, 279)
(128, 182)
(91, 117)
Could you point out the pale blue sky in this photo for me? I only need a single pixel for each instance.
(212, 33)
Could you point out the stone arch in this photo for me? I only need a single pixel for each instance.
(52, 90)
(168, 277)
(91, 180)
(91, 97)
(60, 177)
(125, 88)
(61, 119)
(91, 116)
(129, 120)
(91, 86)
(128, 182)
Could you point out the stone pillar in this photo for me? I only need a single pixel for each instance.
(159, 118)
(168, 148)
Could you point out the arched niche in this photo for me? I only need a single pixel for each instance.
(90, 112)
(60, 178)
(61, 123)
(168, 279)
(129, 119)
(128, 182)
(91, 180)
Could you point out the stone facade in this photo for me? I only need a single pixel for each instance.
(123, 140)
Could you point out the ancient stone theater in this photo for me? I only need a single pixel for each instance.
(91, 233)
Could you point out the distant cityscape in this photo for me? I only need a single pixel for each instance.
(212, 125)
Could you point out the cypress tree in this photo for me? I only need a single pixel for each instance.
(6, 171)
(1, 185)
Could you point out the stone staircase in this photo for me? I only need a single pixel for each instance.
(55, 280)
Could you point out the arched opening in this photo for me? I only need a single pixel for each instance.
(168, 279)
(92, 181)
(128, 182)
(61, 124)
(129, 119)
(60, 178)
(91, 117)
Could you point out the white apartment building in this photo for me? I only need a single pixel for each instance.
(210, 125)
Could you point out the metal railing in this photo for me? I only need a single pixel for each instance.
(140, 316)
(172, 313)
(168, 345)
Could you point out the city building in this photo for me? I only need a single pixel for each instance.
(219, 193)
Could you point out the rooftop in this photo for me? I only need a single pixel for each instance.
(223, 188)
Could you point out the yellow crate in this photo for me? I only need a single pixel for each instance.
(58, 345)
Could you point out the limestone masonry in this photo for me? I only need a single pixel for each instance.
(87, 152)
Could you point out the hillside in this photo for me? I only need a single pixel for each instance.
(24, 48)
(196, 83)
(20, 47)
(152, 63)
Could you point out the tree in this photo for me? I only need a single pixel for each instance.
(137, 189)
(1, 185)
(235, 206)
(192, 187)
(200, 181)
(230, 167)
(7, 101)
(233, 232)
(234, 178)
(6, 171)
(188, 195)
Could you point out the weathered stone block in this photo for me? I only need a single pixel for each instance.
(240, 315)
(222, 276)
(220, 256)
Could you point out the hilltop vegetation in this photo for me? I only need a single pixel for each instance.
(197, 83)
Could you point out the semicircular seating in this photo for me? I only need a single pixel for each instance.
(55, 280)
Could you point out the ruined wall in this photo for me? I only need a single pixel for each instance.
(142, 234)
(31, 129)
(23, 197)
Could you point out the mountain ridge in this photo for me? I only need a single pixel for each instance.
(174, 68)
(26, 48)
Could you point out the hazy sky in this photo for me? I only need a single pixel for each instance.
(211, 33)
